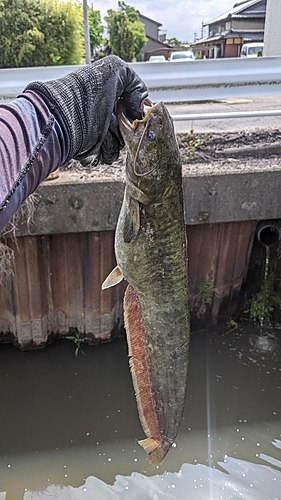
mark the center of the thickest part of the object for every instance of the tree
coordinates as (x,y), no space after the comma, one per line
(126,32)
(40,33)
(62,25)
(174,42)
(95,28)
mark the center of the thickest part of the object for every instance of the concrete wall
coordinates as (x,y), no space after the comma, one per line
(72,204)
(247,24)
(272,33)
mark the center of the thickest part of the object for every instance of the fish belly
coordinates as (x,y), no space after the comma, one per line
(157,322)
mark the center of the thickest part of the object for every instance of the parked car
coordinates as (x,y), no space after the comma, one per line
(157,59)
(183,55)
(252,49)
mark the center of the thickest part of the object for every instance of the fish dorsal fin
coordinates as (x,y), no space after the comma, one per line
(132,220)
(113,278)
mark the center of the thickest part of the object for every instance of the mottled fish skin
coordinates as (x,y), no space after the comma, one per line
(151,253)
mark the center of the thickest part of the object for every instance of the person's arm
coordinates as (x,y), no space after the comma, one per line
(55,121)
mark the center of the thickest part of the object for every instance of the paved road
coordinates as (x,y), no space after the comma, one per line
(226,106)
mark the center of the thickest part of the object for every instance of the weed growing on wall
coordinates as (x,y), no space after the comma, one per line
(24,215)
(207,289)
(6,262)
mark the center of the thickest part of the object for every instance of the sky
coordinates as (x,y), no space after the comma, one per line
(180,19)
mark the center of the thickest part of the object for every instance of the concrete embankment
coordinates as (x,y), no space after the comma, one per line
(64,255)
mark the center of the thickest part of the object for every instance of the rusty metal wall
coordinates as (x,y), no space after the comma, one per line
(56,281)
(218,256)
(56,286)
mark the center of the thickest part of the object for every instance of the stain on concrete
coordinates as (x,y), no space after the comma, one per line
(57,231)
(73,218)
(75,202)
(203,216)
(249,205)
(47,201)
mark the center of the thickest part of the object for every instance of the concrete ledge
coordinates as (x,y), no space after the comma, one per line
(232,196)
(260,150)
(70,204)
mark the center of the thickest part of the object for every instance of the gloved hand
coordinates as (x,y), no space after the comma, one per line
(85,101)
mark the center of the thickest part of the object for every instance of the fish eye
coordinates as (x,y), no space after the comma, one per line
(151,136)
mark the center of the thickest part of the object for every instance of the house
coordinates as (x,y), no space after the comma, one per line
(155,43)
(227,33)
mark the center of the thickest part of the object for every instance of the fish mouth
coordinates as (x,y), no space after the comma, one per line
(136,132)
(133,132)
(128,126)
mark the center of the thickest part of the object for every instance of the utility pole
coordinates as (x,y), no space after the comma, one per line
(272,33)
(86,32)
(202,29)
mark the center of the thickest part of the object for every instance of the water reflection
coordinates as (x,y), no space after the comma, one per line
(72,422)
(239,479)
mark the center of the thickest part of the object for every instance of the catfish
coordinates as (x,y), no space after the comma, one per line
(151,255)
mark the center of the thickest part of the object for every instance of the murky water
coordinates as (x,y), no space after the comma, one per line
(69,425)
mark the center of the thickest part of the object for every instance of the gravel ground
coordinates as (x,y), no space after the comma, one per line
(206,152)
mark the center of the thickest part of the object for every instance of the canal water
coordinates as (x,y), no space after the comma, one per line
(69,425)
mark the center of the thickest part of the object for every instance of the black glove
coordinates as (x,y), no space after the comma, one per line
(85,100)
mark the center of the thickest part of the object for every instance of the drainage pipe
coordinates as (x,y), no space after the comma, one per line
(267,233)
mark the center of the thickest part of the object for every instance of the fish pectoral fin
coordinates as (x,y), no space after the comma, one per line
(155,450)
(132,220)
(113,278)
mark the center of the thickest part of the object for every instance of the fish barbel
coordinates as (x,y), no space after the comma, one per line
(151,254)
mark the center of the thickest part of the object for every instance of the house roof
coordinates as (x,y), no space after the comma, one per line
(253,35)
(238,10)
(246,35)
(249,15)
(161,44)
(141,16)
(208,39)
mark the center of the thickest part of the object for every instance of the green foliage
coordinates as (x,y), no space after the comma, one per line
(193,144)
(207,289)
(232,325)
(264,305)
(40,33)
(126,32)
(78,341)
(261,306)
(95,28)
(174,42)
(131,12)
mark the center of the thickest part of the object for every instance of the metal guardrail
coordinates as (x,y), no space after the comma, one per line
(221,116)
(199,80)
(14,80)
(212,79)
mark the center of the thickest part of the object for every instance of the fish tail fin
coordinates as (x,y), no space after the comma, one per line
(156,451)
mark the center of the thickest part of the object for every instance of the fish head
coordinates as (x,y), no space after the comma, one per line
(153,157)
